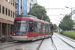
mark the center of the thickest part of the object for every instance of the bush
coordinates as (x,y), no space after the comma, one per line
(61,32)
(69,33)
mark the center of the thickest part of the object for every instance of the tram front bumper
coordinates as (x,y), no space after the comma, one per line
(20,38)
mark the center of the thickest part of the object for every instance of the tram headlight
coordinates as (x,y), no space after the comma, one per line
(14,33)
(23,33)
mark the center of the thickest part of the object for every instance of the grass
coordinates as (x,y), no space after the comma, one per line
(69,33)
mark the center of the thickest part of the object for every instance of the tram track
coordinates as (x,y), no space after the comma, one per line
(23,43)
(65,42)
(53,44)
(14,44)
(40,45)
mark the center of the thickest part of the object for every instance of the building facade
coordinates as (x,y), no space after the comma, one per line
(7,10)
(20,7)
(28,5)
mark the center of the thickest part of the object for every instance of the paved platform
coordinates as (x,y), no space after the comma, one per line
(66,39)
(59,44)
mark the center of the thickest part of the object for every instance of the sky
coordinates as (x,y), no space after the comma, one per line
(56,15)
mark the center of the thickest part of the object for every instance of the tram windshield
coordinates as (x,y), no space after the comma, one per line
(20,25)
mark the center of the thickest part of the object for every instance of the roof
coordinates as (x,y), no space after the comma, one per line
(29,17)
(26,16)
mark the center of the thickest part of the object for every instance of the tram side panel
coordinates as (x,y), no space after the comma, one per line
(37,30)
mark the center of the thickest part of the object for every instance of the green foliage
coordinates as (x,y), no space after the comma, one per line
(39,12)
(66,23)
(69,33)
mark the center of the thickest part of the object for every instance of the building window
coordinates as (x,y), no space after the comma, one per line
(13,2)
(9,1)
(6,11)
(0,8)
(32,0)
(3,9)
(11,13)
(6,0)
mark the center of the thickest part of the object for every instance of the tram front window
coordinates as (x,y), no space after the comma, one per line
(20,26)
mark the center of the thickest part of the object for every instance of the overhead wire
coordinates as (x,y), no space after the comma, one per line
(65,5)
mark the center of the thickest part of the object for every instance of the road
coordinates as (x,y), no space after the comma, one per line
(54,43)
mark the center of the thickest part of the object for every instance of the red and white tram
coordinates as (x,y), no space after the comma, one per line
(27,28)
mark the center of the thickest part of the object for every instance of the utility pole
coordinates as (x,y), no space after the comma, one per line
(74,20)
(71,13)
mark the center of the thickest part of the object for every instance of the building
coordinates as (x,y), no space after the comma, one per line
(7,10)
(28,5)
(20,7)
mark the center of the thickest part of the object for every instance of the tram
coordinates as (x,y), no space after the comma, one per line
(27,27)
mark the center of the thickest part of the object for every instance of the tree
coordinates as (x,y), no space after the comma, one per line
(66,23)
(39,12)
(54,27)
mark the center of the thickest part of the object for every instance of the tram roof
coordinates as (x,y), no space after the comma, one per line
(27,16)
(34,18)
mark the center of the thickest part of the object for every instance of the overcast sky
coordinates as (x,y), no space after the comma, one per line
(54,14)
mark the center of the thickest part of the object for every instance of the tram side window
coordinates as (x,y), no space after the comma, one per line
(30,26)
(46,28)
(35,26)
(39,28)
(51,26)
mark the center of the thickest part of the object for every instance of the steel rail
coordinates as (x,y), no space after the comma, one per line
(40,44)
(53,44)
